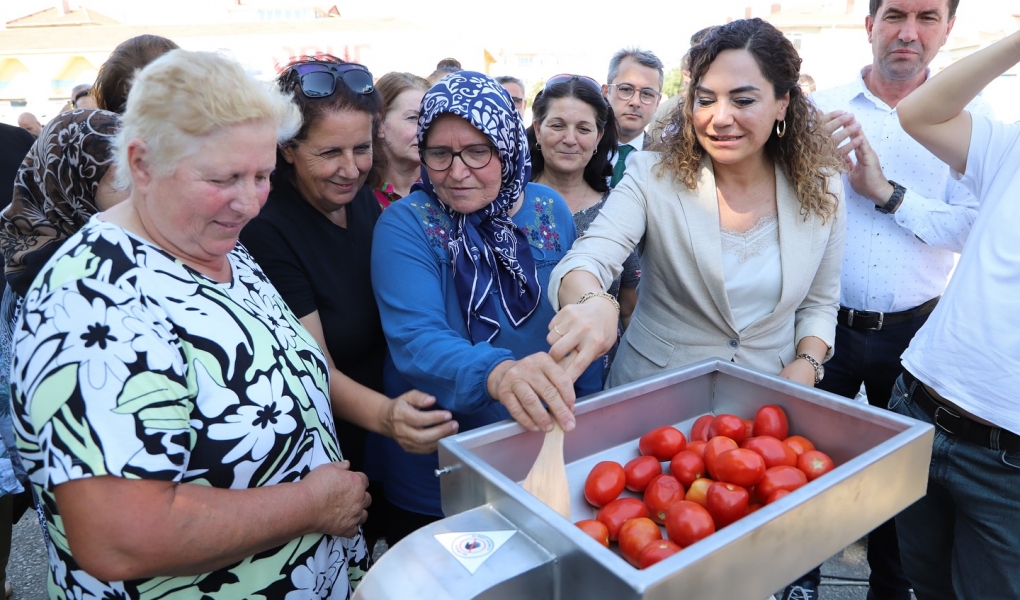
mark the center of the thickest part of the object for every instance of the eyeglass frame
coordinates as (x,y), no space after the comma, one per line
(640,92)
(460,153)
(295,79)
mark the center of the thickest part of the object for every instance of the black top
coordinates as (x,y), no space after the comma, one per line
(319,266)
(14,145)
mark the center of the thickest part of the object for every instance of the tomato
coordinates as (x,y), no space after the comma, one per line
(604,483)
(697,448)
(696,493)
(748,428)
(640,471)
(699,431)
(730,426)
(687,522)
(799,443)
(815,464)
(740,467)
(714,448)
(726,503)
(657,551)
(662,442)
(596,529)
(755,506)
(779,478)
(772,450)
(776,495)
(771,420)
(616,513)
(635,534)
(687,466)
(662,492)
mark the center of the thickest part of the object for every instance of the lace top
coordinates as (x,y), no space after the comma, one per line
(752,270)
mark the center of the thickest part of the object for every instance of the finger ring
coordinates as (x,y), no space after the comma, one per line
(556,328)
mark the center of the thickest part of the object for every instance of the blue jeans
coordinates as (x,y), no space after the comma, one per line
(962,540)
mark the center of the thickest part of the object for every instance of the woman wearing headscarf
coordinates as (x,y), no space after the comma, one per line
(459,269)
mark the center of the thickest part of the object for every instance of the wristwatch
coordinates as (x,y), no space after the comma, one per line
(819,369)
(894,201)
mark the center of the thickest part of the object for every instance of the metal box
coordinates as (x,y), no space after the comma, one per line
(882,467)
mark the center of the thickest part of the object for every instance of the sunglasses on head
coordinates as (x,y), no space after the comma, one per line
(565,77)
(318,79)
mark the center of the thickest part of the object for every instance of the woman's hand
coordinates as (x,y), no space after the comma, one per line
(581,333)
(418,431)
(799,371)
(522,385)
(342,496)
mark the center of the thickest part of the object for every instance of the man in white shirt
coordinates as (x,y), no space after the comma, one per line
(633,89)
(962,370)
(906,219)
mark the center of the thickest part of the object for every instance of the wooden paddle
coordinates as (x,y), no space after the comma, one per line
(547,479)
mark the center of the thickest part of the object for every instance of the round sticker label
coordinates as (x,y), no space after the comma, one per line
(473,545)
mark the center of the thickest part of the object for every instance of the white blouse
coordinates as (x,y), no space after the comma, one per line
(752,270)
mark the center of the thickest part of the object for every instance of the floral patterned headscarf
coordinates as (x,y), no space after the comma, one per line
(486,247)
(55,190)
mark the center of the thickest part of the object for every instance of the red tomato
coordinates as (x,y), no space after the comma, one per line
(696,493)
(687,466)
(596,529)
(726,503)
(635,534)
(755,506)
(714,448)
(771,420)
(604,483)
(698,448)
(740,467)
(799,443)
(687,522)
(815,464)
(776,495)
(662,442)
(772,450)
(657,551)
(730,426)
(779,478)
(699,431)
(662,492)
(748,428)
(640,471)
(616,513)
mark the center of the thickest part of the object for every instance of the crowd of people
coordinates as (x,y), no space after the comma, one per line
(239,318)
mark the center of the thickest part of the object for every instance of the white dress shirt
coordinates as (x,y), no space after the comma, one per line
(637,143)
(897,262)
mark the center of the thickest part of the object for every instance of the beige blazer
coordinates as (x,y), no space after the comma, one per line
(683,314)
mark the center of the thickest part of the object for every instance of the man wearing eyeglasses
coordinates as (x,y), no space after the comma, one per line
(634,89)
(514,87)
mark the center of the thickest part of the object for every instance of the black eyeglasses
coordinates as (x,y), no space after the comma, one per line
(318,79)
(565,77)
(474,156)
(625,91)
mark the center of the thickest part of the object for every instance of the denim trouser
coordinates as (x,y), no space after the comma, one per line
(962,540)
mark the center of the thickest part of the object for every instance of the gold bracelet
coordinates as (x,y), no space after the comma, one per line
(589,295)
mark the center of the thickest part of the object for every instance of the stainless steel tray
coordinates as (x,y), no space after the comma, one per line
(882,467)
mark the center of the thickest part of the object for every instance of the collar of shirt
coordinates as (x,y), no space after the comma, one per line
(637,143)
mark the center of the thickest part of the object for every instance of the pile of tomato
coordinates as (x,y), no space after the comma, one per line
(730,468)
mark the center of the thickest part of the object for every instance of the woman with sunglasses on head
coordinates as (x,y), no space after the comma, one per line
(313,239)
(572,137)
(401,94)
(740,221)
(459,268)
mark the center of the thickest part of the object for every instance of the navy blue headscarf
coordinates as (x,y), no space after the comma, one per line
(486,247)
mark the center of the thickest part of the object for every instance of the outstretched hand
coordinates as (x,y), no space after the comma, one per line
(523,385)
(865,174)
(417,430)
(581,333)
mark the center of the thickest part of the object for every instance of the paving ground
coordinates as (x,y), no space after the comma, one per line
(844,575)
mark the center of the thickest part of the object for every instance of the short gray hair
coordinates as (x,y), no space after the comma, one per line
(502,79)
(645,58)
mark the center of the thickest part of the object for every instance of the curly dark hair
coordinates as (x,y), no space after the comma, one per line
(806,153)
(599,167)
(313,110)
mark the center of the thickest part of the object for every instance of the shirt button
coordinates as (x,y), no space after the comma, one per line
(733,344)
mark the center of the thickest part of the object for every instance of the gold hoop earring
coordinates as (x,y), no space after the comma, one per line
(781,128)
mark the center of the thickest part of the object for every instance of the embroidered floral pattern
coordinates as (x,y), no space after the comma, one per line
(435,223)
(542,232)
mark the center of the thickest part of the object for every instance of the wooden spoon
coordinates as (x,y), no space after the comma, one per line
(547,479)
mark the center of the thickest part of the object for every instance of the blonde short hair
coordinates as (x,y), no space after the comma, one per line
(184,96)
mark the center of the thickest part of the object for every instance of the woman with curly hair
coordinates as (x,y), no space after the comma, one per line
(739,221)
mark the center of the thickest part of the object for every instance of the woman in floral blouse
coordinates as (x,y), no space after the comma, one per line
(459,270)
(172,413)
